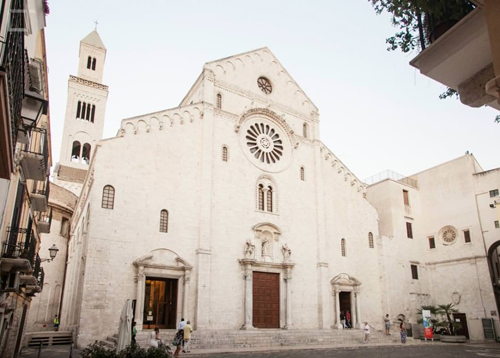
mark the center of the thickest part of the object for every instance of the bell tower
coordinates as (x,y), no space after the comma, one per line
(85,111)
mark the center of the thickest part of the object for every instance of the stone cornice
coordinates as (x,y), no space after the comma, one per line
(87,83)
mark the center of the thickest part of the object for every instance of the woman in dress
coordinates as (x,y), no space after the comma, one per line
(402,326)
(155,337)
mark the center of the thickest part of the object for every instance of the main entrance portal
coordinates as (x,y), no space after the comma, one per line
(266,300)
(160,303)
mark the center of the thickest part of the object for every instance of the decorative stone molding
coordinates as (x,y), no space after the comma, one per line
(448,235)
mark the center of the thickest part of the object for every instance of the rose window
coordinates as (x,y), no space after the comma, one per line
(449,235)
(264,85)
(264,143)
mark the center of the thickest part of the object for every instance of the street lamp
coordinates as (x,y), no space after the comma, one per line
(53,252)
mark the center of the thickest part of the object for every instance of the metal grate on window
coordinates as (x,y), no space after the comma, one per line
(224,154)
(164,221)
(269,198)
(108,197)
(370,240)
(302,174)
(261,197)
(342,247)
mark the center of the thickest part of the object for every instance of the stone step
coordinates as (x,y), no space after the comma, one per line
(48,338)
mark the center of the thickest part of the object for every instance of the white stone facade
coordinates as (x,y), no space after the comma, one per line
(235,182)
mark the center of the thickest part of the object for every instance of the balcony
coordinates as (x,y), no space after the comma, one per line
(462,58)
(18,251)
(33,282)
(35,155)
(44,220)
(40,195)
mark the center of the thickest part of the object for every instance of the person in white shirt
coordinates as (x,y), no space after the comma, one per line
(367,333)
(181,324)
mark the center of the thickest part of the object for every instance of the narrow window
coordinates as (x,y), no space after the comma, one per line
(302,174)
(342,247)
(304,130)
(108,197)
(64,227)
(89,61)
(93,64)
(414,272)
(88,112)
(219,100)
(497,225)
(493,193)
(86,153)
(261,197)
(164,221)
(406,198)
(75,152)
(224,154)
(409,231)
(84,108)
(432,243)
(93,114)
(269,199)
(467,235)
(78,109)
(370,240)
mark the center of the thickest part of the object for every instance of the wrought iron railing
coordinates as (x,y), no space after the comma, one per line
(38,144)
(42,187)
(21,244)
(45,217)
(13,62)
(41,278)
(37,266)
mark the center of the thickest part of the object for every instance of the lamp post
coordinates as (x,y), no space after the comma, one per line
(53,253)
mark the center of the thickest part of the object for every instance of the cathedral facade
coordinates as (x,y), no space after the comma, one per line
(229,211)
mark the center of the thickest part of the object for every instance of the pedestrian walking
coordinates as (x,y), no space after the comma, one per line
(56,323)
(367,333)
(342,319)
(155,338)
(187,337)
(179,337)
(404,332)
(134,333)
(387,322)
(348,319)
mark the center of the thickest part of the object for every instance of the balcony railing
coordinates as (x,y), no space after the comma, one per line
(19,250)
(13,62)
(34,282)
(389,174)
(44,219)
(35,155)
(40,195)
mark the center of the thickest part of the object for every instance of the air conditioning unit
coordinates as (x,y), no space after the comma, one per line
(13,281)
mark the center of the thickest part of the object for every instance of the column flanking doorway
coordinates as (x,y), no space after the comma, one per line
(160,303)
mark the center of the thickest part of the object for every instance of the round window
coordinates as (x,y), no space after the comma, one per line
(448,235)
(264,85)
(265,144)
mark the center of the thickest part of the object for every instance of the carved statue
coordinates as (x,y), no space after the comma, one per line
(265,247)
(286,251)
(249,249)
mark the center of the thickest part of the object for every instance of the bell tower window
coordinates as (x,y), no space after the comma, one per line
(93,64)
(89,62)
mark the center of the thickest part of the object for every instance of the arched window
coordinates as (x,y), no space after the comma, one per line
(88,112)
(84,108)
(108,197)
(261,197)
(302,174)
(75,151)
(224,154)
(269,199)
(93,114)
(219,100)
(86,153)
(370,240)
(93,64)
(164,221)
(78,109)
(89,61)
(342,247)
(304,130)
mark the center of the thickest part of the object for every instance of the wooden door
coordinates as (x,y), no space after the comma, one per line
(160,303)
(460,318)
(266,300)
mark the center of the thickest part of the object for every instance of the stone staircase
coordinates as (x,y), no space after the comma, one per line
(48,338)
(262,338)
(110,342)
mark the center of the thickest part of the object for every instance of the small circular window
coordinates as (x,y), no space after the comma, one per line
(448,235)
(264,85)
(264,143)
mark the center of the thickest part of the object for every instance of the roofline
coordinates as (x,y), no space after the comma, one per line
(449,161)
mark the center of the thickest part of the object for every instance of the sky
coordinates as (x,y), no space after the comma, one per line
(376,111)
